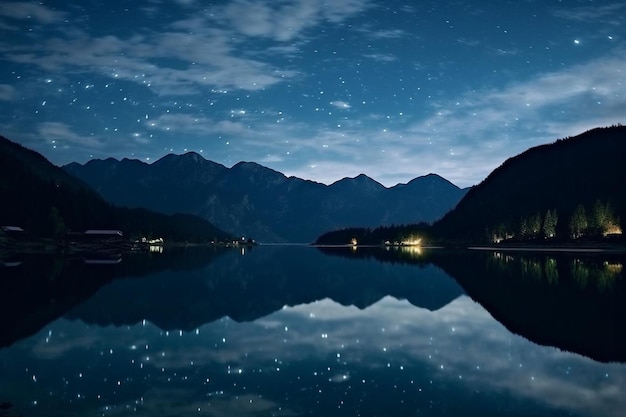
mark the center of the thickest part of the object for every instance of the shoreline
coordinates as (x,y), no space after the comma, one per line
(50,246)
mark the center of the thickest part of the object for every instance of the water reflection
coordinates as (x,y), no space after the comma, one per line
(317,335)
(35,289)
(591,270)
(263,281)
(570,300)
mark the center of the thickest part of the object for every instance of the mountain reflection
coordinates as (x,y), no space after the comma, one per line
(36,289)
(569,300)
(328,331)
(262,281)
(573,301)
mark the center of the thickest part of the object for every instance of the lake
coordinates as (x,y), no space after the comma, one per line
(303,331)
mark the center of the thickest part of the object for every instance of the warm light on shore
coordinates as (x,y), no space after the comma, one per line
(613,230)
(411,242)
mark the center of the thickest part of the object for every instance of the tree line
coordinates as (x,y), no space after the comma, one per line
(597,221)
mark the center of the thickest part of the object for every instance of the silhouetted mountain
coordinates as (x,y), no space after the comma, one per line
(361,183)
(46,201)
(257,201)
(579,180)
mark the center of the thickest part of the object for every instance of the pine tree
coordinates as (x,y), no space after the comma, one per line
(549,224)
(578,223)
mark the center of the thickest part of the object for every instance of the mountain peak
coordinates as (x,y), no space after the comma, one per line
(431,178)
(247,165)
(363,177)
(192,156)
(253,167)
(253,173)
(360,179)
(426,181)
(187,161)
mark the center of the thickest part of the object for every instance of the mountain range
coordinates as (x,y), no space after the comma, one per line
(255,201)
(568,191)
(46,201)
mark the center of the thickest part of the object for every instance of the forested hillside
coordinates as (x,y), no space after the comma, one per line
(571,189)
(46,201)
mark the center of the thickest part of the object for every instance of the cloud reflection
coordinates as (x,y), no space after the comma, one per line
(311,351)
(315,358)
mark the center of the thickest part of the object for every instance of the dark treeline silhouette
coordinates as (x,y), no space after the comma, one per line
(47,202)
(565,192)
(393,234)
(570,189)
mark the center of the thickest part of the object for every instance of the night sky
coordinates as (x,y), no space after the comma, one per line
(319,90)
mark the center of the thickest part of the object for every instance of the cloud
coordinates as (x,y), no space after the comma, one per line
(463,139)
(484,127)
(381,57)
(31,10)
(262,20)
(245,47)
(187,56)
(170,62)
(604,13)
(182,123)
(7,92)
(287,21)
(468,42)
(388,34)
(63,134)
(61,143)
(337,11)
(340,104)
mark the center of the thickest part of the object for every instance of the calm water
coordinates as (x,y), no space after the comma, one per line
(291,331)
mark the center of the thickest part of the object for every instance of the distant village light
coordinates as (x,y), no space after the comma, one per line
(412,241)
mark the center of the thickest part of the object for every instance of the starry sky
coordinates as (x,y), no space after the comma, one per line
(317,89)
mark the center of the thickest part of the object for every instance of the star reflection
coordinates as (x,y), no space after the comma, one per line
(319,357)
